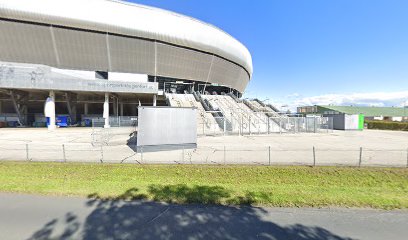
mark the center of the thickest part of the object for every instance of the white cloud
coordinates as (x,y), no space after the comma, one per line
(294,95)
(379,99)
(358,99)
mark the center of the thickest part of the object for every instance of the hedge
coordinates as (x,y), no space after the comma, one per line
(384,125)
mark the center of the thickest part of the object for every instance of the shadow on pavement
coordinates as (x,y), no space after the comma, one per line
(128,216)
(132,141)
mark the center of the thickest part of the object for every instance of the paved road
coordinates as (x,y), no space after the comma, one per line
(40,217)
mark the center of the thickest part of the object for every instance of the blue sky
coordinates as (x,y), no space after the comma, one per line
(315,51)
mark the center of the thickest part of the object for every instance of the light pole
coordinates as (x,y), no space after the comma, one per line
(284,106)
(266,99)
(263,101)
(246,94)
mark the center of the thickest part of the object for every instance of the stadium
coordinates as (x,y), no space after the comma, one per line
(125,121)
(84,56)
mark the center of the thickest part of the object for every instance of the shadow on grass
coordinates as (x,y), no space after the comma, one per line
(183,194)
(130,216)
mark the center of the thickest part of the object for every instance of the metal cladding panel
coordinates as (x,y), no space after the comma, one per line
(86,40)
(183,63)
(361,121)
(130,19)
(242,82)
(166,126)
(345,122)
(131,55)
(339,122)
(81,50)
(351,122)
(225,73)
(26,43)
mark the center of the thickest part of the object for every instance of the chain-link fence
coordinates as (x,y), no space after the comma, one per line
(219,155)
(119,126)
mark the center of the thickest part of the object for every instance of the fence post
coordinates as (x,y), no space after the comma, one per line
(269,155)
(27,156)
(280,125)
(232,124)
(306,124)
(63,153)
(141,154)
(294,125)
(241,127)
(328,122)
(314,124)
(314,156)
(249,125)
(224,125)
(225,155)
(268,126)
(182,155)
(101,154)
(361,155)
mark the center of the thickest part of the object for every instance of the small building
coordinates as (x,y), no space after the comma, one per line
(370,113)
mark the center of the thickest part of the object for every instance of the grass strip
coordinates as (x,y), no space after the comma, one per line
(283,186)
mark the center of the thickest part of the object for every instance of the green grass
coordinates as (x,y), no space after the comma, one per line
(384,188)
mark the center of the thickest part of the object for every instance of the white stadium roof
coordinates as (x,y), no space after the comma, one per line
(129,19)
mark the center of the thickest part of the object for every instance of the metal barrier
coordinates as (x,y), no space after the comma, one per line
(248,126)
(223,126)
(121,121)
(118,126)
(218,155)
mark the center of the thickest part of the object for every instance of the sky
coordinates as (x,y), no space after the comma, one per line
(305,52)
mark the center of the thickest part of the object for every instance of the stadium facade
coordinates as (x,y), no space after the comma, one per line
(104,56)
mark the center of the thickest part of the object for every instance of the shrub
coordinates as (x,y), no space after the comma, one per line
(384,125)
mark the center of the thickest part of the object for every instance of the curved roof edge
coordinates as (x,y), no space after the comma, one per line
(126,18)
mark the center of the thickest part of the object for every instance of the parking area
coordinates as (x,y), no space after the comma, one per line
(366,148)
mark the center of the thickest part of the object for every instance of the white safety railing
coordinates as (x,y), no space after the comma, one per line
(271,125)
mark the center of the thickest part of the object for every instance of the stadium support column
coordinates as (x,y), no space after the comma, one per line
(71,106)
(86,108)
(116,106)
(50,110)
(17,107)
(154,100)
(106,111)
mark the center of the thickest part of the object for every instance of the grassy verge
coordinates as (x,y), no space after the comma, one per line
(257,185)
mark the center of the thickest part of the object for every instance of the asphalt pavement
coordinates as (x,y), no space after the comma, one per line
(45,217)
